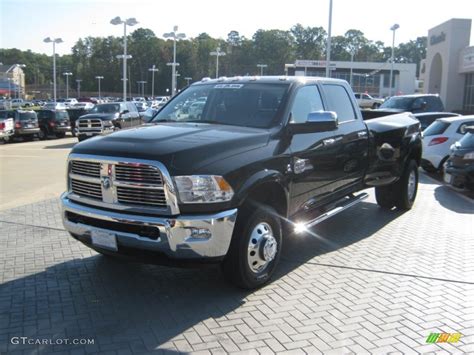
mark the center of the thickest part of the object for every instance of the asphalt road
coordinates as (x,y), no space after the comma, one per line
(33,171)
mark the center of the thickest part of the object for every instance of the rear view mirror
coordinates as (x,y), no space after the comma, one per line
(320,121)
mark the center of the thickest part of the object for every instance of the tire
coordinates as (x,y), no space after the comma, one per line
(255,232)
(375,106)
(60,135)
(73,132)
(441,165)
(81,138)
(429,169)
(401,194)
(43,134)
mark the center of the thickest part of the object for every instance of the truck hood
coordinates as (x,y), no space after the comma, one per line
(100,116)
(182,147)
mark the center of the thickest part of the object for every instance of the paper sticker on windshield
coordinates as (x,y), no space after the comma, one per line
(228,86)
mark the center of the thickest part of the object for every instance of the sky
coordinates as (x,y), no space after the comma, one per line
(25,23)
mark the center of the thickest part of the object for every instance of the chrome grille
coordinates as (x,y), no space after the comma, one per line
(138,173)
(86,168)
(90,124)
(86,188)
(141,196)
(121,184)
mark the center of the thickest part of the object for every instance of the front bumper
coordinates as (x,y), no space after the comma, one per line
(460,176)
(178,237)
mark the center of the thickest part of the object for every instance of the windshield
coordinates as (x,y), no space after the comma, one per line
(249,104)
(106,108)
(5,114)
(403,103)
(27,116)
(467,141)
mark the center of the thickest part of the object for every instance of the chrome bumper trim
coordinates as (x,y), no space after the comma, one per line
(175,232)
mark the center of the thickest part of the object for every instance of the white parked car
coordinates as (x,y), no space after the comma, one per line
(70,102)
(84,105)
(438,138)
(54,106)
(7,129)
(367,101)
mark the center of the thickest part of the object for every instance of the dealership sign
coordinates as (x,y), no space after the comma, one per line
(313,63)
(435,39)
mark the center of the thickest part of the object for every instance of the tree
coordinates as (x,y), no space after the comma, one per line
(309,42)
(274,48)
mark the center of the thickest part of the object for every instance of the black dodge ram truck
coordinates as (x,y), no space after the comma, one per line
(267,157)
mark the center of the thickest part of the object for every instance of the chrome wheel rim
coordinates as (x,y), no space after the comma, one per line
(411,185)
(262,247)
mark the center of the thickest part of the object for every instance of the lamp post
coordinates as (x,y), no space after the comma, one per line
(78,81)
(353,52)
(153,69)
(218,54)
(67,75)
(128,22)
(328,42)
(392,59)
(175,36)
(261,66)
(188,80)
(53,41)
(142,91)
(99,78)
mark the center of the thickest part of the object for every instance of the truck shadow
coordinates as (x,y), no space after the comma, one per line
(446,198)
(145,307)
(61,146)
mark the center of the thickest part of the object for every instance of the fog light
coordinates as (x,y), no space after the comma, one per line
(200,233)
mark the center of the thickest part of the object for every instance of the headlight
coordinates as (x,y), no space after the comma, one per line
(469,156)
(203,189)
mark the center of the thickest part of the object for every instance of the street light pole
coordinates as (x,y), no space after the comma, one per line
(78,81)
(393,28)
(175,36)
(261,66)
(99,78)
(328,43)
(353,51)
(153,69)
(218,54)
(54,41)
(130,22)
(67,74)
(188,80)
(142,91)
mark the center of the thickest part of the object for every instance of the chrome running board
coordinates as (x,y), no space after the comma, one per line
(354,200)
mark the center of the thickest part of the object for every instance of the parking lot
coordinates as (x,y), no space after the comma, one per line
(368,281)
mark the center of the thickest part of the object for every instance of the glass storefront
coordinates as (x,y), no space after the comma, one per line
(468,102)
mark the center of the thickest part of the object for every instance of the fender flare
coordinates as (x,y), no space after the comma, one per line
(260,178)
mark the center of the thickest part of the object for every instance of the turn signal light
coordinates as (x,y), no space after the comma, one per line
(2,125)
(438,140)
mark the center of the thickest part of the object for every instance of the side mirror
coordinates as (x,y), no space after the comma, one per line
(321,121)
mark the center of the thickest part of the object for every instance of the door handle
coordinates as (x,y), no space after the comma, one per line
(362,134)
(331,141)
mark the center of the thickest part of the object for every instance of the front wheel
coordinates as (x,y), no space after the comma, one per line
(255,248)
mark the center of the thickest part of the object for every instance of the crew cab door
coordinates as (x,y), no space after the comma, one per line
(325,162)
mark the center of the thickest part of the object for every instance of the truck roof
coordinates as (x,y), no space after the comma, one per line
(267,79)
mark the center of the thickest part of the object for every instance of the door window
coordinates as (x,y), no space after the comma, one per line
(307,100)
(339,101)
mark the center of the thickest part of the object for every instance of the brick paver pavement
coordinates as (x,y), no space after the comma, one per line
(366,281)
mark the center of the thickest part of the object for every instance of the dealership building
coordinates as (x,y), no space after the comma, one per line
(369,77)
(448,69)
